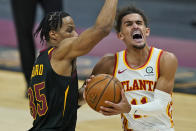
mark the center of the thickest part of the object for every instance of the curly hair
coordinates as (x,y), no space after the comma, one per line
(125,11)
(52,21)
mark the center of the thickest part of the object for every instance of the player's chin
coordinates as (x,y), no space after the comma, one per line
(139,45)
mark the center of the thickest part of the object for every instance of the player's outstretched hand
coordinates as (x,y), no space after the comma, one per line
(114,109)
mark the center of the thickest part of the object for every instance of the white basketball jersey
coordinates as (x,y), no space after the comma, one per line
(139,85)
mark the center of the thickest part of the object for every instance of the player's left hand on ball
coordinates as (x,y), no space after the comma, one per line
(85,85)
(114,109)
(88,79)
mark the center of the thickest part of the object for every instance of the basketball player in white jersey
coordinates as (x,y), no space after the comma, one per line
(147,74)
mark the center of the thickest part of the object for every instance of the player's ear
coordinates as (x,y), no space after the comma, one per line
(147,31)
(120,35)
(53,34)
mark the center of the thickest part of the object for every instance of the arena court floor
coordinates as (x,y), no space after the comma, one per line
(15,115)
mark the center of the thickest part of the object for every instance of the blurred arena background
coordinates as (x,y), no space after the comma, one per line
(171,29)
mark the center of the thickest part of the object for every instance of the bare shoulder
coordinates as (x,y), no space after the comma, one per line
(168,58)
(108,59)
(105,65)
(63,48)
(168,63)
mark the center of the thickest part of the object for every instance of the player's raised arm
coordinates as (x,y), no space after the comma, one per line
(80,45)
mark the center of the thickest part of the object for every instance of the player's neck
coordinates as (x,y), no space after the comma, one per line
(137,57)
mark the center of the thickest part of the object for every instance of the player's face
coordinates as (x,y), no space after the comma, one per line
(133,31)
(67,30)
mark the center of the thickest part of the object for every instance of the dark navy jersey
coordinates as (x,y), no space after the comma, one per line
(53,98)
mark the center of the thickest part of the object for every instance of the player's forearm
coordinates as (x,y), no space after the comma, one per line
(106,17)
(92,36)
(154,108)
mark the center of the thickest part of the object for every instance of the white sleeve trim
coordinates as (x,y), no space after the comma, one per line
(155,107)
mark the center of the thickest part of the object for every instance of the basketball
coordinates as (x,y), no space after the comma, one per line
(102,87)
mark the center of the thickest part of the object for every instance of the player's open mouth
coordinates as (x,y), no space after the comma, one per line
(137,36)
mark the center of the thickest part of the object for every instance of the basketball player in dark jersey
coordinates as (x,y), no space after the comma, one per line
(53,94)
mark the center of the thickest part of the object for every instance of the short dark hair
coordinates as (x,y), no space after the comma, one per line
(52,21)
(125,11)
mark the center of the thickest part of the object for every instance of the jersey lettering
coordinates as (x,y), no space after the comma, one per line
(37,70)
(32,103)
(146,85)
(135,102)
(40,107)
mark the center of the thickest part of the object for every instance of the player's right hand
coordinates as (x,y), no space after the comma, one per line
(114,109)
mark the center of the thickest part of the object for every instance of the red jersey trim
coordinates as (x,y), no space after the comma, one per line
(141,67)
(158,64)
(116,64)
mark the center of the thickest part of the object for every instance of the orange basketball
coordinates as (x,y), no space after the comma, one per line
(102,87)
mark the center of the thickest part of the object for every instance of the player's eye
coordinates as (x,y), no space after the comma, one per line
(128,23)
(139,22)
